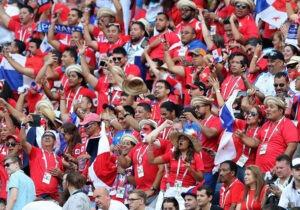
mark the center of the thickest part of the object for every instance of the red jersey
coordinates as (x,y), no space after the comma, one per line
(230,84)
(184,174)
(106,47)
(248,27)
(274,139)
(230,194)
(194,23)
(40,162)
(250,203)
(132,69)
(144,172)
(23,33)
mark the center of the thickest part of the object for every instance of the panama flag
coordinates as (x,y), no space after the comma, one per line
(13,77)
(226,149)
(271,11)
(103,170)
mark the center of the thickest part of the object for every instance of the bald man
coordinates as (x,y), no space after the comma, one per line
(104,201)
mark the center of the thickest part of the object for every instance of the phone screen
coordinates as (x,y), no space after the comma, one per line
(36,120)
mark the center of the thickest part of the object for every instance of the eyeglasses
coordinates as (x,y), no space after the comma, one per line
(133,199)
(89,125)
(199,106)
(185,10)
(117,58)
(13,144)
(185,32)
(239,5)
(252,114)
(280,85)
(6,165)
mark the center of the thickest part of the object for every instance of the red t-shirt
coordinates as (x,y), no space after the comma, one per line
(38,168)
(140,152)
(3,178)
(251,203)
(247,27)
(106,47)
(194,23)
(212,143)
(22,33)
(132,69)
(230,194)
(276,136)
(262,63)
(187,180)
(158,51)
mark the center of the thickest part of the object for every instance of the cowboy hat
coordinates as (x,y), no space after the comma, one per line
(174,136)
(134,86)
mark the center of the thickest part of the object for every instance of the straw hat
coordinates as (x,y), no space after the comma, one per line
(134,86)
(49,113)
(187,3)
(275,100)
(294,59)
(129,137)
(148,122)
(189,134)
(74,68)
(44,103)
(105,11)
(248,2)
(202,100)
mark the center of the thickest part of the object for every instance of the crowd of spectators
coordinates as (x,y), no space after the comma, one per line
(154,104)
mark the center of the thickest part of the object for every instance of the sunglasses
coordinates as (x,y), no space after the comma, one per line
(252,114)
(117,58)
(89,125)
(6,165)
(13,144)
(280,85)
(48,135)
(185,10)
(239,5)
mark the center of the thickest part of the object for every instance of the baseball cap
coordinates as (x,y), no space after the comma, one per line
(91,117)
(195,85)
(274,54)
(191,191)
(296,163)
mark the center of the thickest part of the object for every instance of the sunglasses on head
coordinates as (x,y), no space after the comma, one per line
(117,58)
(252,114)
(89,125)
(239,5)
(13,144)
(280,85)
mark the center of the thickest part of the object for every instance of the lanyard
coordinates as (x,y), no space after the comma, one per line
(45,160)
(247,202)
(73,97)
(140,157)
(224,197)
(226,86)
(165,133)
(207,120)
(178,167)
(272,131)
(22,34)
(244,147)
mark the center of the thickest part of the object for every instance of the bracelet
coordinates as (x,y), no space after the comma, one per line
(23,125)
(111,120)
(218,91)
(255,56)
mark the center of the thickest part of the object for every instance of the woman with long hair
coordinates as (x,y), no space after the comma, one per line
(253,197)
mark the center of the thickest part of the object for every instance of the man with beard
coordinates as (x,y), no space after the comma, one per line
(211,128)
(188,11)
(204,197)
(138,41)
(231,186)
(147,176)
(275,65)
(156,43)
(75,37)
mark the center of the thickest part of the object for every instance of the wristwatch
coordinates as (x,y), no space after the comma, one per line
(153,189)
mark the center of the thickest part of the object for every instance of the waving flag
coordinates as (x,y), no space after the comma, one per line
(103,171)
(271,11)
(226,149)
(13,77)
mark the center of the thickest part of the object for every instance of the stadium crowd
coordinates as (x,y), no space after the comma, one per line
(154,104)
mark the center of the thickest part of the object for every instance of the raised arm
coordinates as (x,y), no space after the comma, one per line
(235,31)
(54,43)
(119,10)
(88,38)
(179,70)
(25,145)
(4,17)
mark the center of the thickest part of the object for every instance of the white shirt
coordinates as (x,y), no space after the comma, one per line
(289,196)
(42,205)
(116,205)
(265,84)
(7,35)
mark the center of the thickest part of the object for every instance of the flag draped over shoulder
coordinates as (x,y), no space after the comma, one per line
(271,11)
(13,77)
(103,170)
(226,149)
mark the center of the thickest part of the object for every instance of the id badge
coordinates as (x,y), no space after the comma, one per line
(182,51)
(263,149)
(242,160)
(178,184)
(120,192)
(47,178)
(140,170)
(213,30)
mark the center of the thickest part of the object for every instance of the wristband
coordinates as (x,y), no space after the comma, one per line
(255,56)
(153,189)
(111,120)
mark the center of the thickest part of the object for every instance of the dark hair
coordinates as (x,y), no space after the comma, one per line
(284,157)
(37,41)
(146,106)
(29,8)
(20,45)
(6,92)
(72,52)
(167,84)
(245,60)
(158,61)
(164,14)
(169,106)
(141,25)
(218,41)
(191,110)
(170,200)
(120,50)
(294,49)
(232,165)
(140,193)
(71,129)
(76,179)
(3,201)
(79,13)
(208,190)
(253,41)
(129,109)
(282,74)
(226,21)
(189,154)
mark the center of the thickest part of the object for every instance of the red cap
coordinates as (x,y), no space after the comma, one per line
(17,138)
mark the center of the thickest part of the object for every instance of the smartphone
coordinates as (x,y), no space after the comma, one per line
(242,93)
(36,120)
(102,63)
